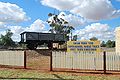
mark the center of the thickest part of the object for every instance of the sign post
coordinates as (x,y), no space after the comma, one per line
(86,46)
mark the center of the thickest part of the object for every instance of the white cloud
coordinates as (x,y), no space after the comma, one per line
(37,26)
(61,4)
(88,9)
(116,14)
(95,9)
(11,13)
(2,32)
(16,30)
(101,31)
(2,25)
(73,20)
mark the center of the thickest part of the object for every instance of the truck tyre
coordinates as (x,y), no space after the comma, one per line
(50,46)
(32,46)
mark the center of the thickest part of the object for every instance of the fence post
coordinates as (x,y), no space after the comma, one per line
(104,61)
(25,59)
(51,61)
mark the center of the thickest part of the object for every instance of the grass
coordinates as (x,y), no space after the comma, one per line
(32,74)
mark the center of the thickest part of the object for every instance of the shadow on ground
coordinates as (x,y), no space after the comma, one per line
(56,76)
(90,72)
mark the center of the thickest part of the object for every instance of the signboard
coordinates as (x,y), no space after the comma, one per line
(83,46)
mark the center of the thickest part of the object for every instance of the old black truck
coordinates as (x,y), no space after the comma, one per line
(33,39)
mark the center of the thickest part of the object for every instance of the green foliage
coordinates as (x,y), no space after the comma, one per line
(6,40)
(113,44)
(93,39)
(75,38)
(103,44)
(108,44)
(59,25)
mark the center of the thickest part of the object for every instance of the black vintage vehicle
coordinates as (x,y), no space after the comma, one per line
(33,39)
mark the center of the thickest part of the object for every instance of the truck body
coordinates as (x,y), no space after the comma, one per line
(33,39)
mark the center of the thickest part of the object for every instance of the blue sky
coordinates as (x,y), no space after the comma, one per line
(33,9)
(96,18)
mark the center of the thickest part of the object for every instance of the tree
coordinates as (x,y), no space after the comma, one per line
(6,39)
(113,44)
(103,44)
(59,25)
(93,39)
(108,44)
(75,38)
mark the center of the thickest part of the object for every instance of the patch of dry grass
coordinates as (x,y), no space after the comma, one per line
(6,73)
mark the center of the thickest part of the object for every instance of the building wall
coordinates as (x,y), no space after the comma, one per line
(117,39)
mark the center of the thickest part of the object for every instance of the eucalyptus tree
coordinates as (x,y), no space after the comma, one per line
(6,40)
(59,25)
(93,38)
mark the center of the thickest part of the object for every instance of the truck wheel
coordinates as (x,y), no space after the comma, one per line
(50,46)
(31,46)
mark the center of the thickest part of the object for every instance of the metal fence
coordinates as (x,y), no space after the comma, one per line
(85,60)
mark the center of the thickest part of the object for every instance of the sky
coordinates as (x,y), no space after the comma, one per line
(90,18)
